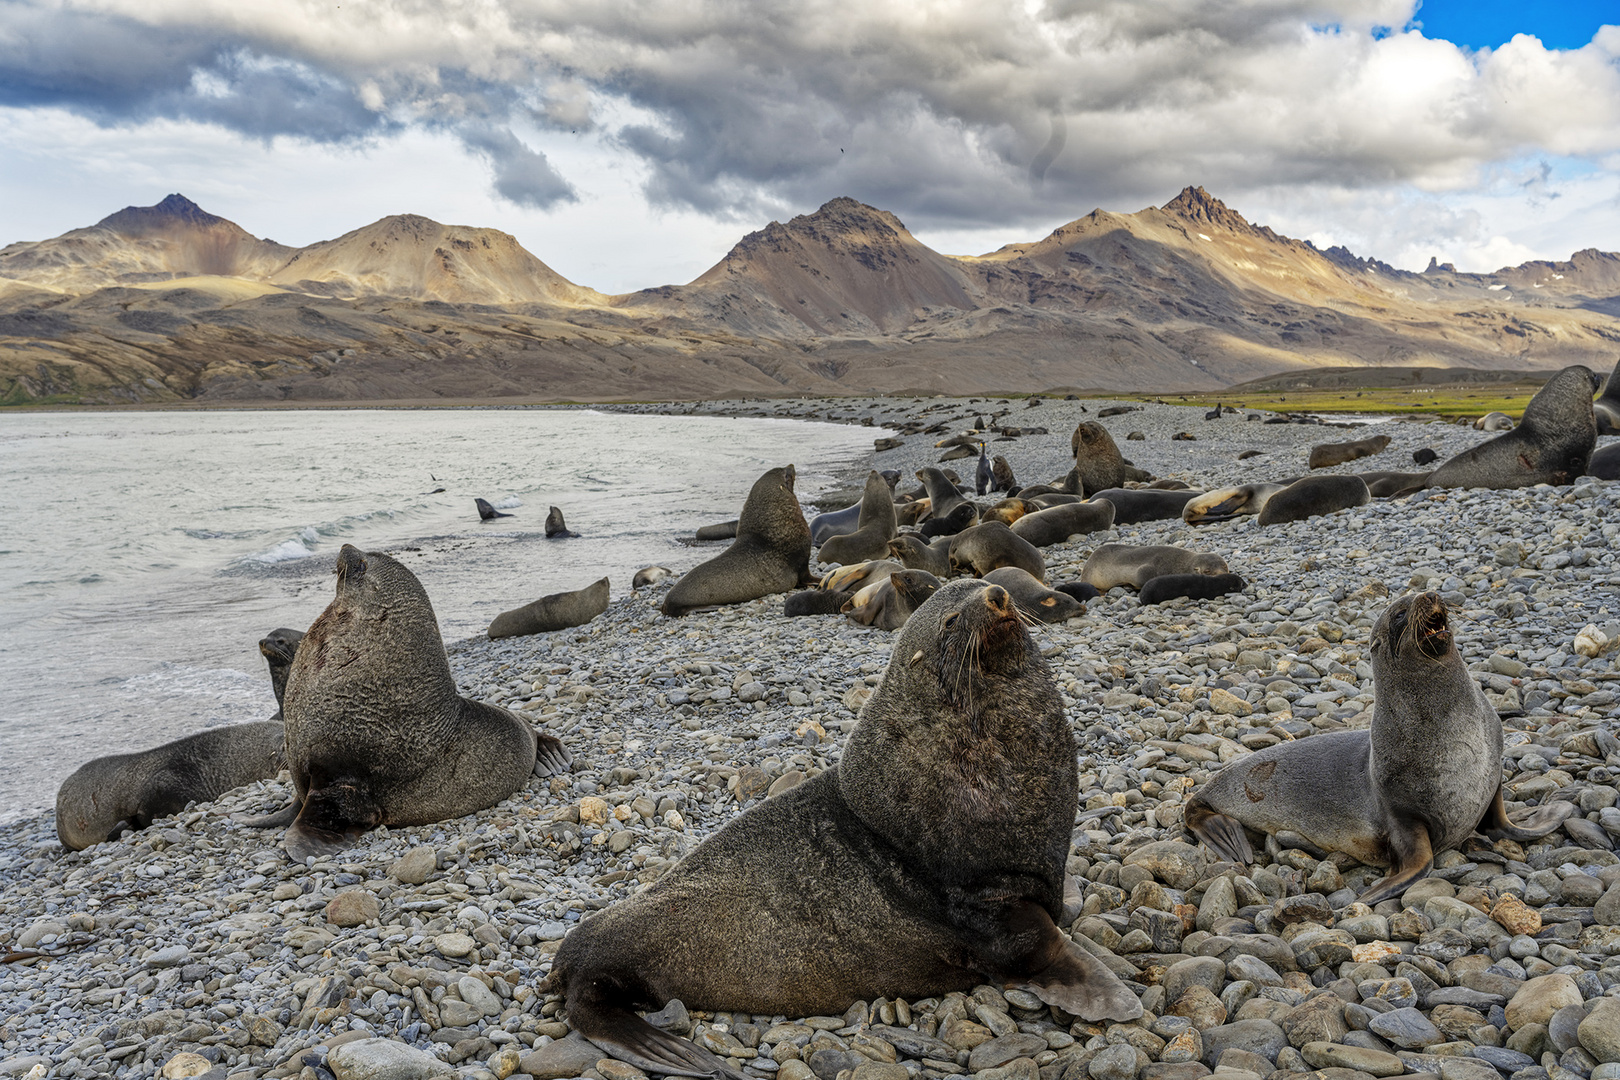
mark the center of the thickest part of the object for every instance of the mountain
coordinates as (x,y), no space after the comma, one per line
(169,302)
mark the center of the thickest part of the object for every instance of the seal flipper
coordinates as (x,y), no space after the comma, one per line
(1079,983)
(1222,834)
(1497,825)
(331,819)
(622,1034)
(276,819)
(1411,858)
(551,757)
(1029,951)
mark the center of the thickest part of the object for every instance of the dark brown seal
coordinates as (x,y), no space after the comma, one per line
(1551,445)
(558,611)
(770,555)
(874,527)
(929,859)
(376,733)
(1097,459)
(1425,775)
(1326,455)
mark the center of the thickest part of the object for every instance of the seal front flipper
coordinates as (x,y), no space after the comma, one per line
(331,820)
(624,1035)
(1544,819)
(276,819)
(1079,983)
(551,757)
(1411,858)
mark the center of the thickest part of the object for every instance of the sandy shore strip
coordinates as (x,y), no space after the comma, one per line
(194,948)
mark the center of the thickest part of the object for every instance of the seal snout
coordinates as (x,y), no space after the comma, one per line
(1431,625)
(351,562)
(999,602)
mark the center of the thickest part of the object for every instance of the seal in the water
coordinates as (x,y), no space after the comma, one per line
(929,859)
(650,575)
(1033,597)
(770,555)
(376,733)
(1330,454)
(1194,586)
(1055,525)
(1551,445)
(105,796)
(1133,505)
(556,528)
(1313,496)
(983,548)
(1606,409)
(874,527)
(1123,564)
(1494,421)
(1096,457)
(1419,780)
(1605,463)
(559,611)
(486,512)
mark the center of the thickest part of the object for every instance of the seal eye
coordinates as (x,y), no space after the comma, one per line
(1397,623)
(950,620)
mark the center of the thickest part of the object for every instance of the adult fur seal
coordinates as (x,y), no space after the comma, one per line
(1330,454)
(1606,409)
(376,733)
(1003,474)
(1313,496)
(1194,586)
(1047,527)
(1384,485)
(929,859)
(1605,463)
(486,512)
(887,604)
(1124,564)
(559,611)
(1033,597)
(916,553)
(556,527)
(1096,457)
(943,494)
(1551,445)
(1419,780)
(874,527)
(983,548)
(102,798)
(1224,503)
(770,555)
(1133,505)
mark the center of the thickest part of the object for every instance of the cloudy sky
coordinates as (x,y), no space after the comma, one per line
(629,143)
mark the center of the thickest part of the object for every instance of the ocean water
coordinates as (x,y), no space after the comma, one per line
(144,554)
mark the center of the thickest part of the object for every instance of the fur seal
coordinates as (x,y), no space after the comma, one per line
(1384,485)
(857,576)
(1133,505)
(1424,455)
(943,494)
(1494,421)
(1606,409)
(891,601)
(103,797)
(1326,455)
(1605,463)
(556,528)
(559,611)
(1003,475)
(1079,590)
(1033,597)
(1223,503)
(650,575)
(1008,511)
(1096,457)
(770,555)
(1194,586)
(486,512)
(874,527)
(1551,445)
(815,602)
(929,859)
(376,733)
(963,515)
(1418,781)
(1313,496)
(986,547)
(724,530)
(1123,564)
(916,553)
(1047,527)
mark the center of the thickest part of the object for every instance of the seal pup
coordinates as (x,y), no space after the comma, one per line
(1326,455)
(1494,421)
(486,512)
(1605,463)
(986,547)
(1009,510)
(963,515)
(376,733)
(1123,564)
(1033,597)
(1419,780)
(1004,480)
(1424,455)
(815,602)
(770,555)
(650,575)
(556,528)
(929,859)
(874,527)
(1055,525)
(1097,457)
(558,611)
(103,797)
(916,553)
(1193,586)
(1133,505)
(1551,445)
(1606,409)
(1313,496)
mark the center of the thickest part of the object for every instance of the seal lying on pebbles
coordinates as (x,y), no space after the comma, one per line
(887,604)
(1123,564)
(929,859)
(770,555)
(1228,502)
(720,530)
(983,548)
(102,798)
(1033,597)
(559,611)
(1551,445)
(1330,454)
(650,575)
(376,733)
(1425,775)
(874,527)
(1055,525)
(815,602)
(1384,485)
(1193,586)
(1313,496)
(1605,463)
(1132,505)
(916,553)
(1494,421)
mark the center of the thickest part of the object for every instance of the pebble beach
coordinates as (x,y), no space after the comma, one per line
(194,948)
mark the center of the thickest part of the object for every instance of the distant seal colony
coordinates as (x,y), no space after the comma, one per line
(930,858)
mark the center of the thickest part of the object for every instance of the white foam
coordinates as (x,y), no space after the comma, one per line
(299,547)
(508,503)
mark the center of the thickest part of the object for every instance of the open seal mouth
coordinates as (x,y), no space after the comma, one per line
(1433,631)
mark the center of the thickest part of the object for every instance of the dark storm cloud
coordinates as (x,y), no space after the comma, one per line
(522,175)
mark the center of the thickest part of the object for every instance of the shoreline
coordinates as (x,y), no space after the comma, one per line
(195,936)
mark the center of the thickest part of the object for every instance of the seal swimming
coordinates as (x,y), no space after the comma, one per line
(770,555)
(486,512)
(929,859)
(376,733)
(1418,781)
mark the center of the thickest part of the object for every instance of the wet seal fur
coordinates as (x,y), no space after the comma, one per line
(559,611)
(1551,445)
(376,733)
(770,555)
(1056,524)
(1313,496)
(1192,586)
(929,859)
(1125,564)
(103,797)
(556,527)
(486,512)
(874,527)
(1425,775)
(1327,455)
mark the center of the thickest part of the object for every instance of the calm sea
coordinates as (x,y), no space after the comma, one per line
(143,555)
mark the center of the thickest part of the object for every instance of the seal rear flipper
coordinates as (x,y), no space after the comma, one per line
(623,1035)
(1222,834)
(276,819)
(1411,859)
(1079,983)
(551,757)
(304,840)
(1544,819)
